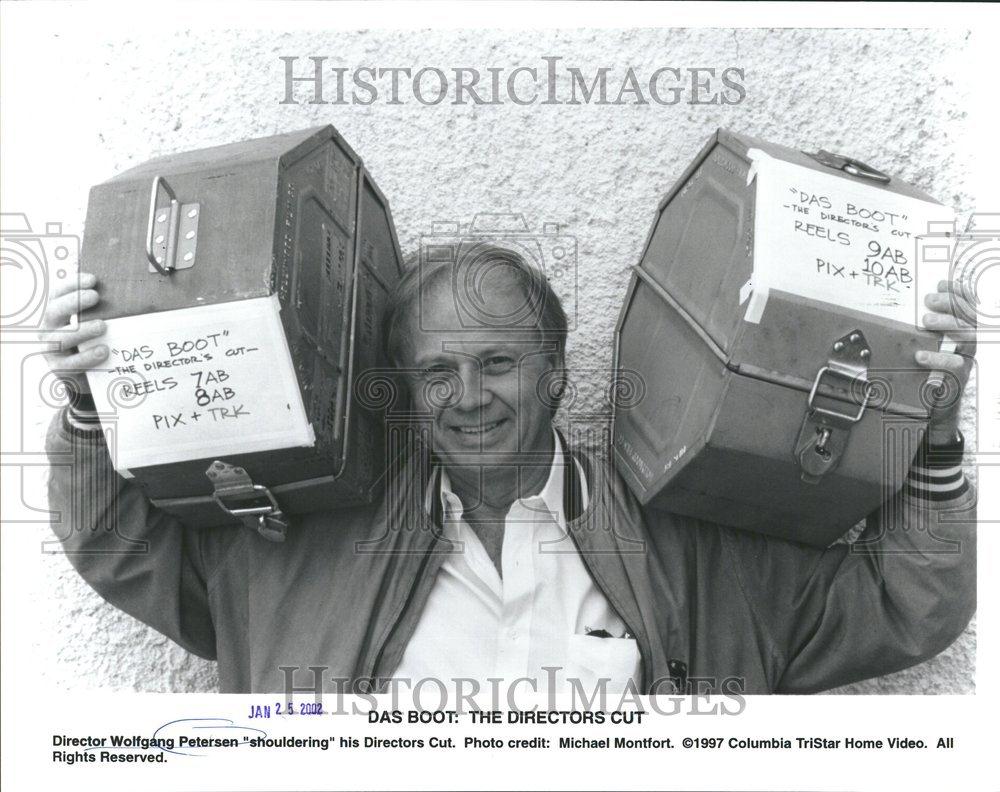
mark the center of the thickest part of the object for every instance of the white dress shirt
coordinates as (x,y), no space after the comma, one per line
(478,625)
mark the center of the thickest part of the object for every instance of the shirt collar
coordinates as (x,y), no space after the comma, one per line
(551,495)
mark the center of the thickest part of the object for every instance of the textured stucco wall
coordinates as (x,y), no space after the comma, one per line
(893,98)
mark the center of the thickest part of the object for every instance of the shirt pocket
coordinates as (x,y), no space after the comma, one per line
(591,659)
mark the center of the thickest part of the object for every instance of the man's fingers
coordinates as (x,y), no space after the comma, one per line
(67,339)
(941,361)
(953,304)
(954,286)
(60,309)
(85,280)
(946,302)
(81,361)
(954,326)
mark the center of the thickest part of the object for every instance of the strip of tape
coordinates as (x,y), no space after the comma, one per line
(756,306)
(753,292)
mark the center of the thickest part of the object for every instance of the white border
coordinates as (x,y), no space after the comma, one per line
(29,713)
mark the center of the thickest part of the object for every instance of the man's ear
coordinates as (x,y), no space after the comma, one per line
(557,374)
(558,364)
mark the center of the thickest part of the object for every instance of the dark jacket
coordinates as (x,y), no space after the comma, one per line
(345,590)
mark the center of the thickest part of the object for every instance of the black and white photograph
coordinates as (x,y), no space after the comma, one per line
(501,384)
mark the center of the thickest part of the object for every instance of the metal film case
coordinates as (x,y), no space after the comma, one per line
(296,215)
(777,427)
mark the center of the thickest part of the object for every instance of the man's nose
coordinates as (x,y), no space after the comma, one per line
(474,395)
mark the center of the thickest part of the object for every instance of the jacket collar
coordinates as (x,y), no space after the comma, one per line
(608,531)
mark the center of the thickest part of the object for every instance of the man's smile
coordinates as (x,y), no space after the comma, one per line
(480,430)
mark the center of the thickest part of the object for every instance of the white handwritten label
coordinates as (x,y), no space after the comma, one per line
(835,240)
(210,381)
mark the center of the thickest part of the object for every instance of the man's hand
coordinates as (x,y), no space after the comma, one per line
(66,361)
(950,315)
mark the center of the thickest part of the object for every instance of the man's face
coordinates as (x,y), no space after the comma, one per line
(480,385)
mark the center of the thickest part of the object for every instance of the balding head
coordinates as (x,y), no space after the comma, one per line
(490,288)
(479,341)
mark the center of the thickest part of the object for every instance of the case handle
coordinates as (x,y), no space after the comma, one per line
(171,231)
(852,166)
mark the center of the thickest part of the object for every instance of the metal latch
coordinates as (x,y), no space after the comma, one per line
(825,432)
(172,231)
(254,504)
(850,165)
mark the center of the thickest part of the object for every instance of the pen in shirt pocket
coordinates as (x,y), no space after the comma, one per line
(602,633)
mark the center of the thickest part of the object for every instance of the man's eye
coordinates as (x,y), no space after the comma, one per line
(498,364)
(436,372)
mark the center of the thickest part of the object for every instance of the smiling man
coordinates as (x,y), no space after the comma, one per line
(515,598)
(501,552)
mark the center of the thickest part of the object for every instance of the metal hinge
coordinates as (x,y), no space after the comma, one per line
(172,231)
(259,509)
(825,432)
